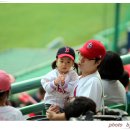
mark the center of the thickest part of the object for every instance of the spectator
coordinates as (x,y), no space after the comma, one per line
(111,70)
(7,112)
(26,99)
(89,83)
(60,82)
(127,68)
(77,107)
(40,95)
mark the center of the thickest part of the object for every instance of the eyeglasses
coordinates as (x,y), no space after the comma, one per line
(90,59)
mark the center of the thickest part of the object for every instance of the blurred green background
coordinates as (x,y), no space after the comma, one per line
(34,25)
(26,30)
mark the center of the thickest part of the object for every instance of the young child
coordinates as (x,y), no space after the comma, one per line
(60,82)
(7,112)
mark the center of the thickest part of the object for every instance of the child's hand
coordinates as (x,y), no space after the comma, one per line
(62,79)
(57,80)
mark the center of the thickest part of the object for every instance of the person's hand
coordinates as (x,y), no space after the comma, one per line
(51,113)
(54,108)
(62,79)
(57,80)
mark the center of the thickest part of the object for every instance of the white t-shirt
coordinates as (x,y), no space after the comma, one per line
(9,113)
(57,96)
(90,86)
(114,92)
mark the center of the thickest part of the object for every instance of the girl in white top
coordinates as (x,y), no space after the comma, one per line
(111,70)
(7,112)
(59,84)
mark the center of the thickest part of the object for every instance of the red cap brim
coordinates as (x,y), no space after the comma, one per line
(67,55)
(83,52)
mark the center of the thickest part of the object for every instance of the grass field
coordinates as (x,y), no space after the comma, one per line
(35,25)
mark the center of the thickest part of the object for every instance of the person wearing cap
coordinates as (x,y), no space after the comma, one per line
(60,82)
(111,71)
(7,112)
(89,83)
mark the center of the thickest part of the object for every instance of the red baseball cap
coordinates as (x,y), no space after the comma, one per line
(93,49)
(5,81)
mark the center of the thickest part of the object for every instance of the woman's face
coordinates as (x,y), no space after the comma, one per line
(64,64)
(87,65)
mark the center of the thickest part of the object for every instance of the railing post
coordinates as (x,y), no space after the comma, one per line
(117,13)
(128,39)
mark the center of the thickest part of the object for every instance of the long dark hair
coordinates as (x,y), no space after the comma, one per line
(79,106)
(111,67)
(125,79)
(53,65)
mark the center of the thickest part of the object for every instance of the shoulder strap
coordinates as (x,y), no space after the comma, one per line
(75,91)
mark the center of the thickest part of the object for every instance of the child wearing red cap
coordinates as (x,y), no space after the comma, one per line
(60,82)
(7,112)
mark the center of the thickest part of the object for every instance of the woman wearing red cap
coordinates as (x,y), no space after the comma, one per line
(7,112)
(60,82)
(89,85)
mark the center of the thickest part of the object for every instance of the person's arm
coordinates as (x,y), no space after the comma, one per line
(47,82)
(51,115)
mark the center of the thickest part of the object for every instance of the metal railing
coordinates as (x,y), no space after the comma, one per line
(35,82)
(39,107)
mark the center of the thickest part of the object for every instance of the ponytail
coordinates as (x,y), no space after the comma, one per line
(76,67)
(53,65)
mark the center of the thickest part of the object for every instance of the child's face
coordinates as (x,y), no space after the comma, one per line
(64,64)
